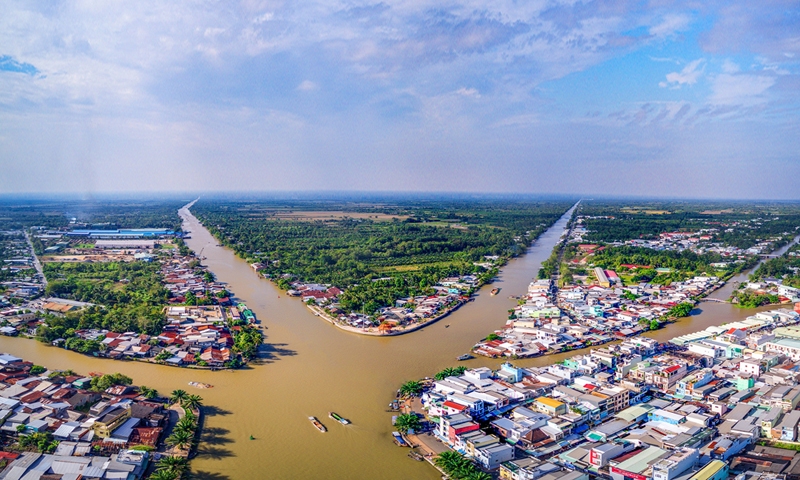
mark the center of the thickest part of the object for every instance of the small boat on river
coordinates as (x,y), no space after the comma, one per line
(399,440)
(317,424)
(466,356)
(494,291)
(339,418)
(200,385)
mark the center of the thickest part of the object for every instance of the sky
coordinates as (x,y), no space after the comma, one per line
(685,99)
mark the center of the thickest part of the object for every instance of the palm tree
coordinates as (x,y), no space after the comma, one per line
(450,372)
(411,388)
(173,464)
(407,422)
(178,396)
(448,460)
(190,416)
(479,475)
(148,392)
(186,424)
(163,475)
(192,402)
(180,439)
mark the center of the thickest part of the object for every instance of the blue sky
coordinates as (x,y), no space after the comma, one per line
(698,99)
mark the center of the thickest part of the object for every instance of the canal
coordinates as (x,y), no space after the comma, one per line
(310,367)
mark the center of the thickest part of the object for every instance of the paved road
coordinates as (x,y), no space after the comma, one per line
(36,262)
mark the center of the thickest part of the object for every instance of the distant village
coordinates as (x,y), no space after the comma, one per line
(598,308)
(705,406)
(193,335)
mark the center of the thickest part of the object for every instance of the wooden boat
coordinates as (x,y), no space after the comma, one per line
(339,418)
(466,356)
(200,385)
(319,426)
(494,291)
(398,439)
(416,456)
(447,326)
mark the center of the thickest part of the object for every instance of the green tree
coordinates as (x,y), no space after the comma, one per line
(172,466)
(411,388)
(163,355)
(163,475)
(178,396)
(42,442)
(37,370)
(450,372)
(147,392)
(186,424)
(192,402)
(407,422)
(180,439)
(104,382)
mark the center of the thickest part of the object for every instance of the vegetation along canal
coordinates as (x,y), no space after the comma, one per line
(310,368)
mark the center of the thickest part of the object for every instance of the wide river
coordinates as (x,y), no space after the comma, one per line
(310,367)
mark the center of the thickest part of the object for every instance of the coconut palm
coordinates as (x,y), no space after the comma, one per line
(411,388)
(450,372)
(178,396)
(190,416)
(185,424)
(163,475)
(448,460)
(173,464)
(180,439)
(479,475)
(148,392)
(407,422)
(192,402)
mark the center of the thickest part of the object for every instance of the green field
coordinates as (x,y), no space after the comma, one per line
(413,242)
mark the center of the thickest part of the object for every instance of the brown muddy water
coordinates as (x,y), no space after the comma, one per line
(310,367)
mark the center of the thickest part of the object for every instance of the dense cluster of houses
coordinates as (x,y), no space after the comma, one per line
(450,293)
(692,409)
(577,316)
(95,431)
(775,286)
(698,241)
(181,278)
(20,280)
(192,335)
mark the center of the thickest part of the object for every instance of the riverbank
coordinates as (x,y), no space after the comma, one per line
(456,292)
(608,396)
(253,401)
(374,331)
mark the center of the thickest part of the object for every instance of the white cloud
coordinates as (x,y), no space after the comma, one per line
(730,67)
(468,92)
(266,17)
(307,86)
(687,76)
(742,89)
(670,24)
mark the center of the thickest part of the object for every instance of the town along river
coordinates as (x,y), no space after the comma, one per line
(310,367)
